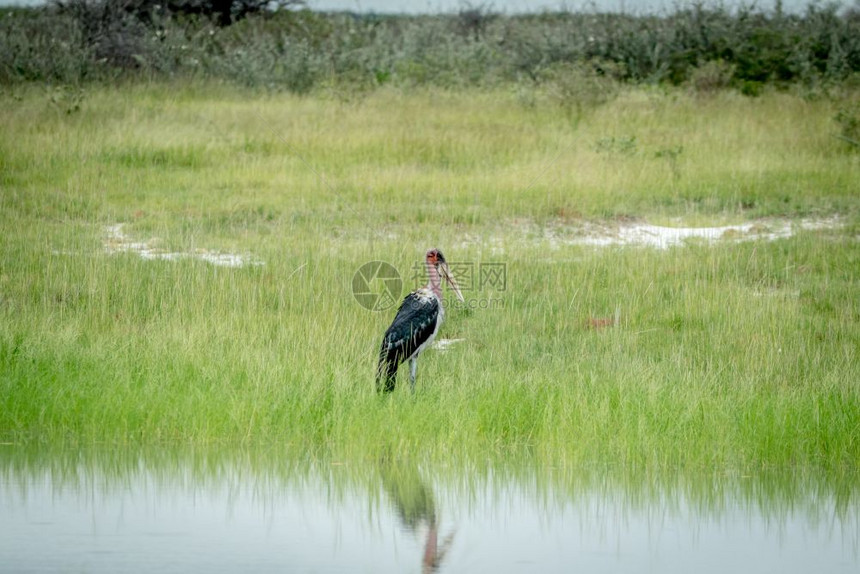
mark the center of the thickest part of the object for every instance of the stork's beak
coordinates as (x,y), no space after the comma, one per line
(446,273)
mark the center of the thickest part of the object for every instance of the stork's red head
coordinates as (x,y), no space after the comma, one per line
(436,259)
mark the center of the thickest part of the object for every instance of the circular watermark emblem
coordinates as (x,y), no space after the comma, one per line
(377,286)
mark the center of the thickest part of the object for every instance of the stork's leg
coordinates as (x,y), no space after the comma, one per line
(413,364)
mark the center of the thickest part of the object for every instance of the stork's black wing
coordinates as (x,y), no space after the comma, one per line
(413,325)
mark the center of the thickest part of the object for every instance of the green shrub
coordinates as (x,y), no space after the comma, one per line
(711,77)
(848,119)
(705,47)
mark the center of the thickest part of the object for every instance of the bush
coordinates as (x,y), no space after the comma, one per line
(109,31)
(571,54)
(711,77)
(43,47)
(577,87)
(848,120)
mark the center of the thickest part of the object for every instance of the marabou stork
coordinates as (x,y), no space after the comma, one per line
(415,325)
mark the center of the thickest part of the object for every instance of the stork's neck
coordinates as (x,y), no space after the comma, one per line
(435,283)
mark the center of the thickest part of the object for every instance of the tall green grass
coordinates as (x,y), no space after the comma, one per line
(735,355)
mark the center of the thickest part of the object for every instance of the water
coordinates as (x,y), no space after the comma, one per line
(192,511)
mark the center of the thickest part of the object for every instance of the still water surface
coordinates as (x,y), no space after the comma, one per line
(192,511)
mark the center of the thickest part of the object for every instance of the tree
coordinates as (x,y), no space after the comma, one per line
(222,12)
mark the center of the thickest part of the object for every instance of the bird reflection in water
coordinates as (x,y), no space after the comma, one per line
(414,503)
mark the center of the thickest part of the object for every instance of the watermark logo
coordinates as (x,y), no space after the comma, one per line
(377,286)
(494,275)
(490,275)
